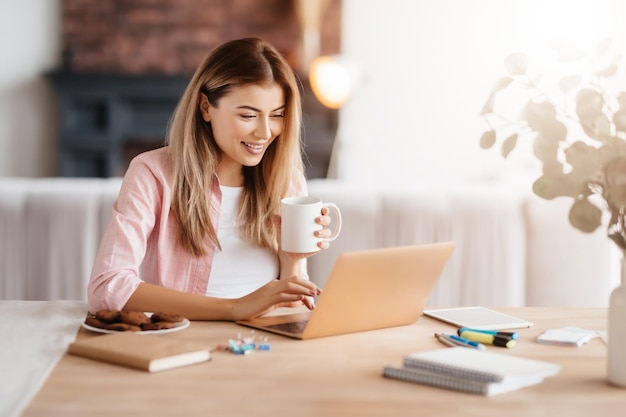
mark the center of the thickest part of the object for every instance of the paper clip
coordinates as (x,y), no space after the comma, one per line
(244,345)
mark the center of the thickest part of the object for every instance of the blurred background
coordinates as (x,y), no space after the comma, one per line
(393,92)
(86,85)
(421,73)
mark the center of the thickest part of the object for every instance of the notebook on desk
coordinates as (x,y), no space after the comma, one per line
(367,290)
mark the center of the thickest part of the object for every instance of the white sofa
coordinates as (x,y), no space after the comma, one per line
(511,247)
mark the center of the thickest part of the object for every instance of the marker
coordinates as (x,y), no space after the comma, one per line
(460,341)
(511,335)
(489,339)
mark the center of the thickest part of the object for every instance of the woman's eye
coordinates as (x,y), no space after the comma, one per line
(248,116)
(278,115)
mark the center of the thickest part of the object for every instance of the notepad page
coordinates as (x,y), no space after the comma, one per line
(418,376)
(484,366)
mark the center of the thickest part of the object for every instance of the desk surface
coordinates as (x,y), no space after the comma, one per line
(334,376)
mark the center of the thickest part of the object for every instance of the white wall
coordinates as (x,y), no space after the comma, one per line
(428,68)
(29,46)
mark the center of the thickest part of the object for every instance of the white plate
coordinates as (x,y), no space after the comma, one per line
(179,326)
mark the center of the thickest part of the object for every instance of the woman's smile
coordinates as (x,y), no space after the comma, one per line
(254,148)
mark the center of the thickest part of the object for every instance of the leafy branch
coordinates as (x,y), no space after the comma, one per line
(582,147)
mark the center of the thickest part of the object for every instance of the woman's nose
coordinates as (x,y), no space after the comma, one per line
(262,129)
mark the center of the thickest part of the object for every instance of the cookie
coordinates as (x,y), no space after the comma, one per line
(136,318)
(158,325)
(135,321)
(122,327)
(92,321)
(108,316)
(169,317)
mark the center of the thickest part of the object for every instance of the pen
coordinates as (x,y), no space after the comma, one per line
(511,335)
(444,340)
(460,341)
(489,339)
(466,342)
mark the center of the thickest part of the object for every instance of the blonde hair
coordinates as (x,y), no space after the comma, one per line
(195,154)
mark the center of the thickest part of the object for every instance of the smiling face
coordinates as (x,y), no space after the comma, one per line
(245,122)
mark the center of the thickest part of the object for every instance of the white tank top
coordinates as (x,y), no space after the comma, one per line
(240,267)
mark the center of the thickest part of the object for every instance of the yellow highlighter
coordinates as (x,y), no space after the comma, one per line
(489,339)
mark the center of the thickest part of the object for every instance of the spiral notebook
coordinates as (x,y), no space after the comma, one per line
(471,370)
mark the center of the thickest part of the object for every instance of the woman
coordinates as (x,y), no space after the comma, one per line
(195,229)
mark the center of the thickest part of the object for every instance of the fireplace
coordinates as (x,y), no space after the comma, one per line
(108,119)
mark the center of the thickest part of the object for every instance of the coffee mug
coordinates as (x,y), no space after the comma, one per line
(298,224)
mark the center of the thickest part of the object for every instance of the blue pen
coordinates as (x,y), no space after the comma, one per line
(460,341)
(510,335)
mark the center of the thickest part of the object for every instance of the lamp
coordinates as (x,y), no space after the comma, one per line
(331,78)
(331,81)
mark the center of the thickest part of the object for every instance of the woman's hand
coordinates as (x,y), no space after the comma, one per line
(290,292)
(290,262)
(325,233)
(292,288)
(323,220)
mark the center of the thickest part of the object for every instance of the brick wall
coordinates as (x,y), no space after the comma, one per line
(173,36)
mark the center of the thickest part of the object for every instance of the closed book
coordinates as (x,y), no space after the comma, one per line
(419,376)
(152,353)
(480,366)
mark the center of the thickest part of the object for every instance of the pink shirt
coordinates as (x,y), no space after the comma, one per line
(141,242)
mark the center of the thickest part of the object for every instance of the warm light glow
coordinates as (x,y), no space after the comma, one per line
(331,81)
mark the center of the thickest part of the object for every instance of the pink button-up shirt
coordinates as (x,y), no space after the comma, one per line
(141,242)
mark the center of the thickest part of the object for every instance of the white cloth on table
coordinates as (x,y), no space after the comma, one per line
(35,336)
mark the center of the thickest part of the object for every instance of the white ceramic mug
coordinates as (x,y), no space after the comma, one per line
(298,224)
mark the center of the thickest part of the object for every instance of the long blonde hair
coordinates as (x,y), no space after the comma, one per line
(195,154)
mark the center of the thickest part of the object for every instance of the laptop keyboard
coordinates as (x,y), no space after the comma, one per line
(290,327)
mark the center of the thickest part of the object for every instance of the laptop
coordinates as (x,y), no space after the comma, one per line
(367,290)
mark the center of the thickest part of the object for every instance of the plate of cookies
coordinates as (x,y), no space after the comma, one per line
(114,321)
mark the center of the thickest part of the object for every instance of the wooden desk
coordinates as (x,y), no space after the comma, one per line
(334,376)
